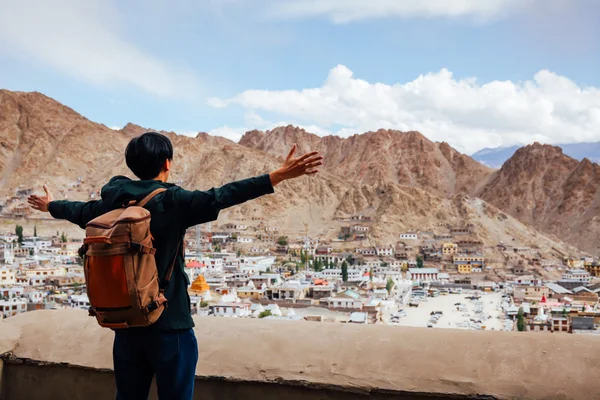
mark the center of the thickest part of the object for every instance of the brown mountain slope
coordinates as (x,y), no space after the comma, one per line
(38,133)
(551,191)
(44,141)
(406,158)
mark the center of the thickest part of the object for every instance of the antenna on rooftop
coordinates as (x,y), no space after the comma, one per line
(198,236)
(306,246)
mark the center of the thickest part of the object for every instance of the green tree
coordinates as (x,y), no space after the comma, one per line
(268,270)
(203,304)
(217,249)
(565,313)
(64,238)
(265,313)
(239,253)
(520,321)
(318,265)
(30,252)
(419,262)
(35,231)
(371,274)
(282,241)
(389,285)
(351,260)
(345,271)
(57,233)
(302,257)
(19,233)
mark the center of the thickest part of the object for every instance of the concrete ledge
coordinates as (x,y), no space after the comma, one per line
(298,360)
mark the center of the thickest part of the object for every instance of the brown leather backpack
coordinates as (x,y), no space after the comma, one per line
(120,270)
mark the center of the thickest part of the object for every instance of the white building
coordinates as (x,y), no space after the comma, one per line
(254,265)
(336,274)
(372,263)
(7,255)
(579,275)
(80,301)
(9,238)
(213,264)
(409,236)
(368,252)
(423,274)
(348,299)
(12,292)
(42,271)
(527,280)
(244,239)
(37,280)
(385,251)
(36,296)
(232,310)
(8,276)
(12,307)
(36,244)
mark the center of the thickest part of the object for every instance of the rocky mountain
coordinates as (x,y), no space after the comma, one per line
(495,157)
(551,191)
(402,180)
(385,156)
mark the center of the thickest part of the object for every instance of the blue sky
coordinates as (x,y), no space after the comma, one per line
(476,74)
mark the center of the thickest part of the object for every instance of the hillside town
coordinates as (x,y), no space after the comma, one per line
(445,278)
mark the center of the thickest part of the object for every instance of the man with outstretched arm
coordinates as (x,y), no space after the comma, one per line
(168,348)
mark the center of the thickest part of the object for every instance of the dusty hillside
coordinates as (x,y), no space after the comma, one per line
(385,156)
(402,180)
(42,138)
(553,192)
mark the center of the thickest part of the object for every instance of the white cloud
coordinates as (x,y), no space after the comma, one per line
(469,115)
(342,11)
(80,38)
(230,133)
(254,121)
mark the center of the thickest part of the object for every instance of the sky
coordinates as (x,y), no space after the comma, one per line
(472,73)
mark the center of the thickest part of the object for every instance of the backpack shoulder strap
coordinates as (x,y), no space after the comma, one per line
(149,197)
(167,278)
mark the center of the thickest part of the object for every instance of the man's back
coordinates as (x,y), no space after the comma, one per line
(172,213)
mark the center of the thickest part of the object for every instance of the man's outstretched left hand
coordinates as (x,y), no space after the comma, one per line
(295,167)
(40,203)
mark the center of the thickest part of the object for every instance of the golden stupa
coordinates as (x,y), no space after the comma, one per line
(199,285)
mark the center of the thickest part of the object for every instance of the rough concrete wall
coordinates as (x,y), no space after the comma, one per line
(34,381)
(364,358)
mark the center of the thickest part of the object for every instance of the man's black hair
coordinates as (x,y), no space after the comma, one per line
(145,155)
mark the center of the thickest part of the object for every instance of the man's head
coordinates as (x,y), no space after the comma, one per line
(149,156)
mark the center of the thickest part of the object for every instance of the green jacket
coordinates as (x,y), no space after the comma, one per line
(172,213)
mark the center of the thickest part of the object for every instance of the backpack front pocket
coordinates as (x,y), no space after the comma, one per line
(107,282)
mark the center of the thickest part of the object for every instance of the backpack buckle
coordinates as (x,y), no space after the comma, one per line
(136,247)
(151,307)
(82,250)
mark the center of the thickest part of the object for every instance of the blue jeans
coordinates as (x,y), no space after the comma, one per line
(139,354)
